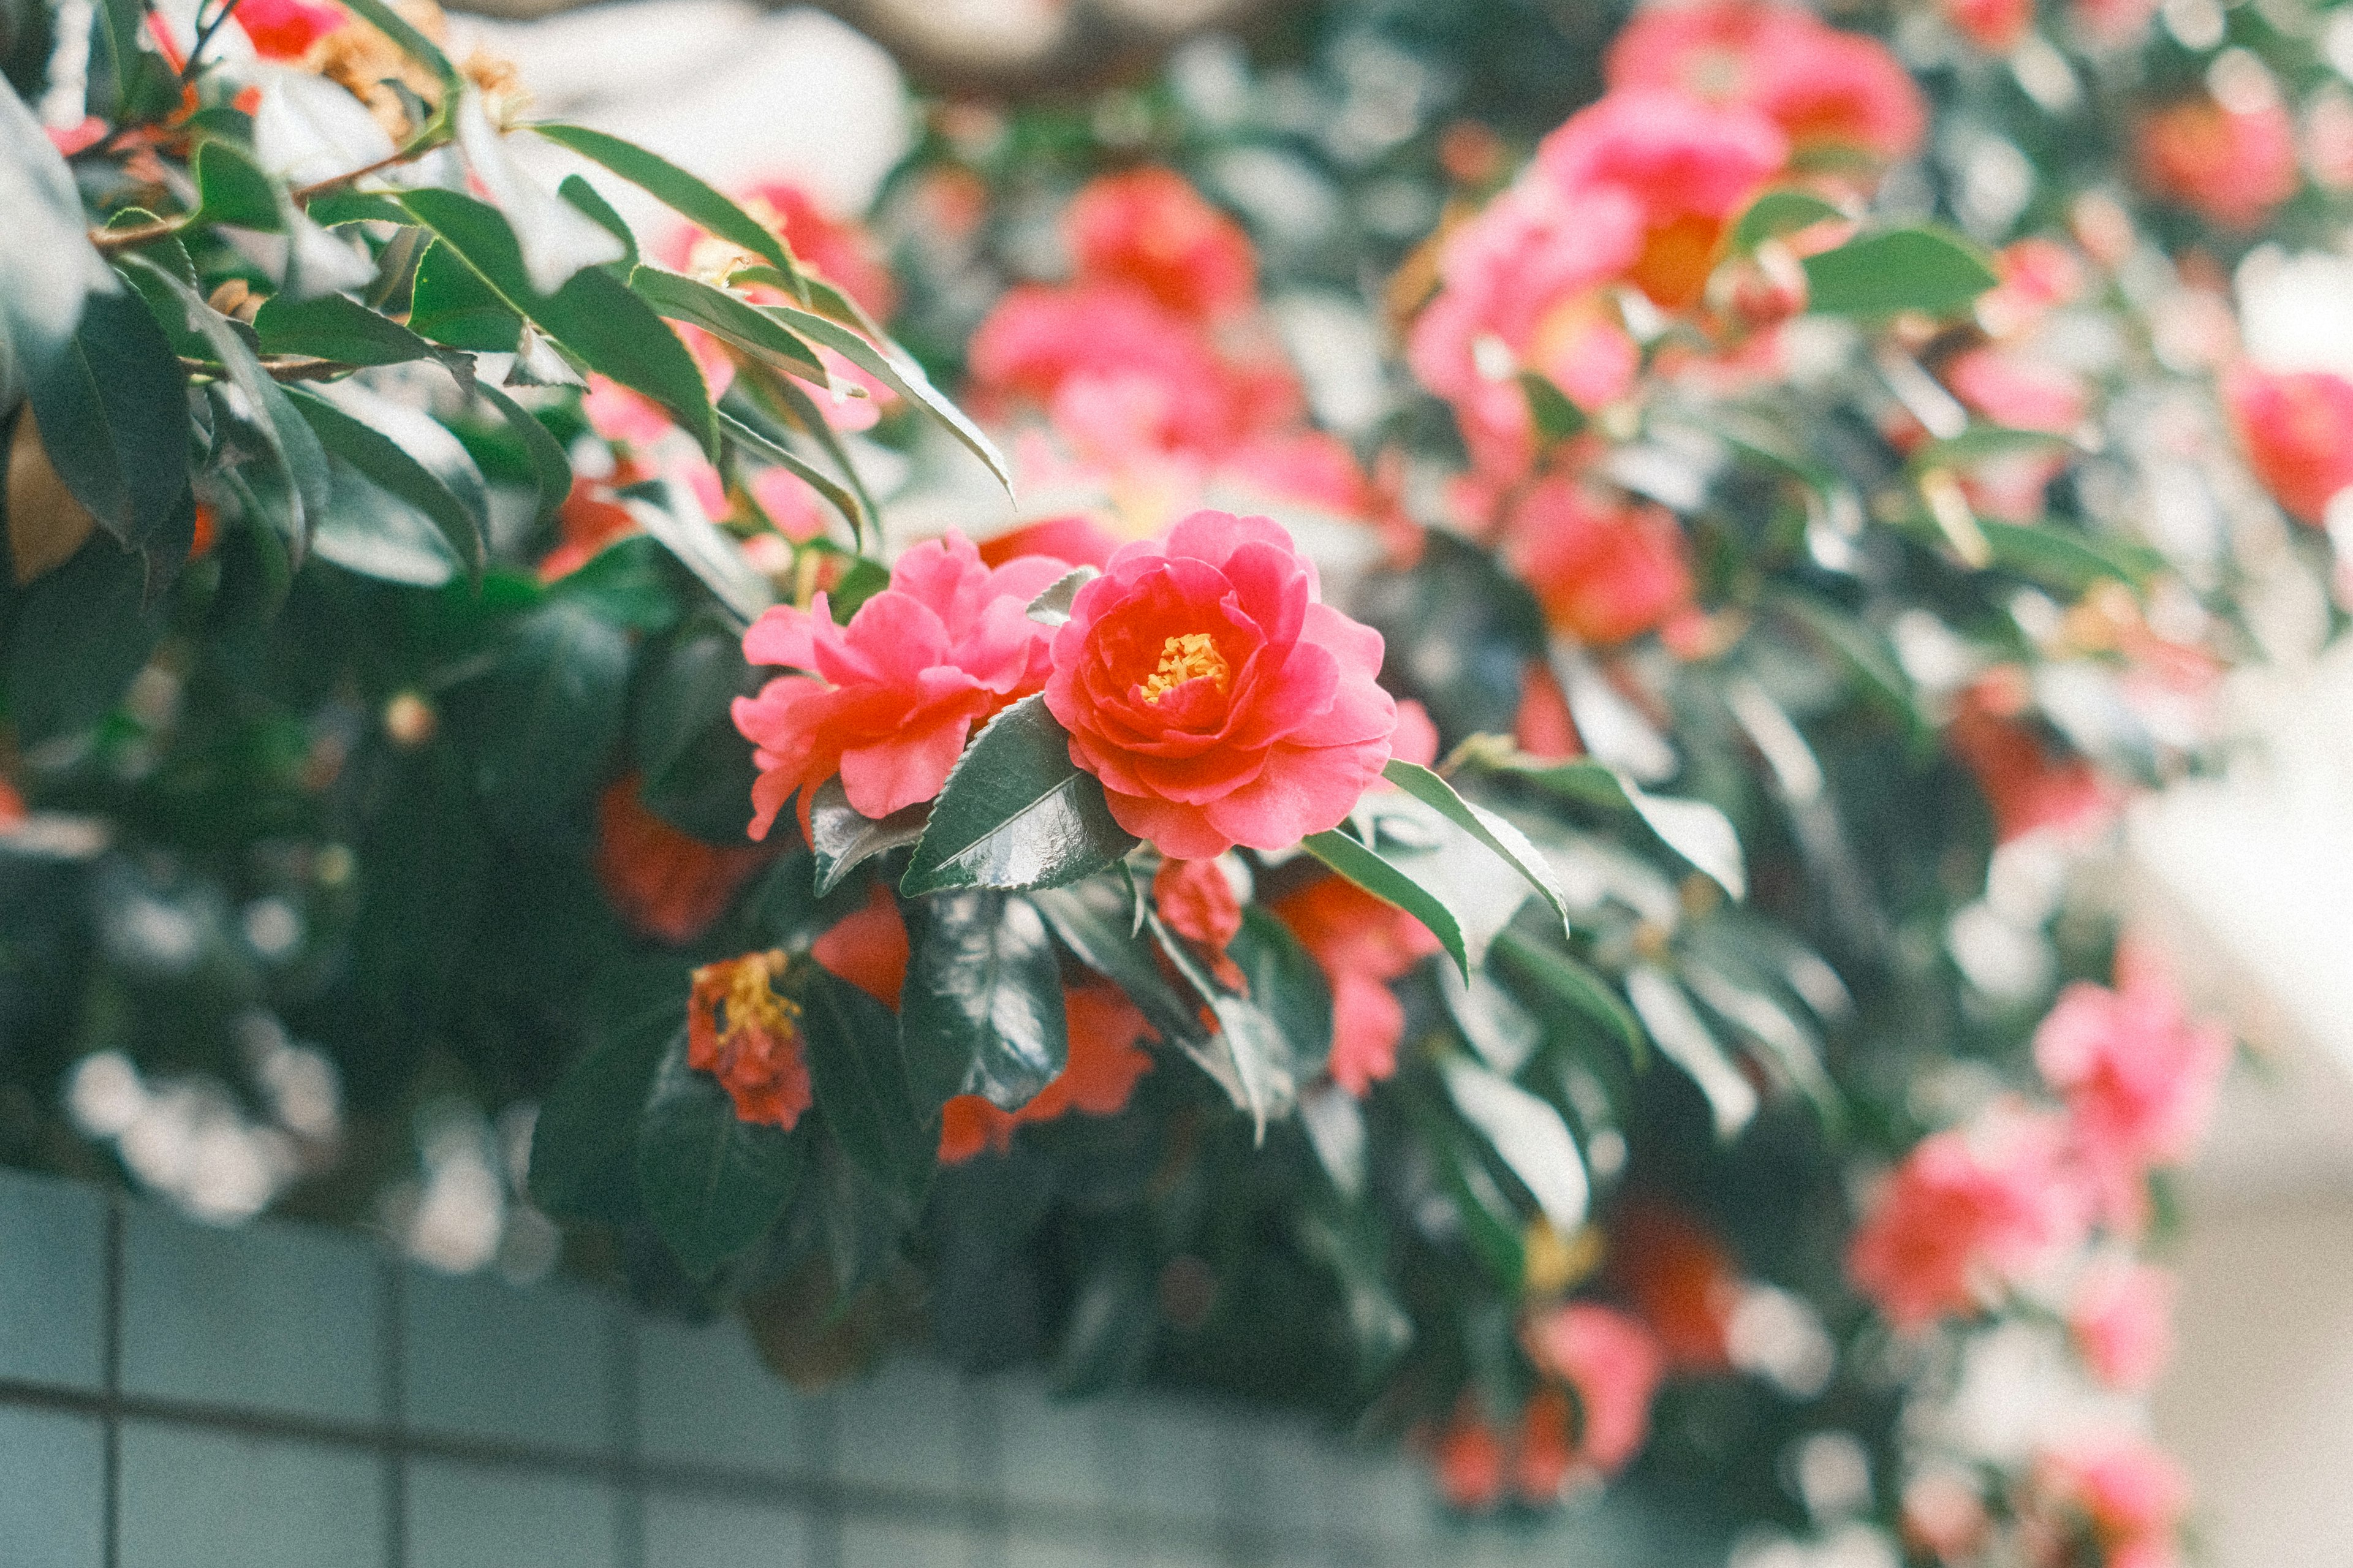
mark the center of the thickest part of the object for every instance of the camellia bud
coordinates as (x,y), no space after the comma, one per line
(411,720)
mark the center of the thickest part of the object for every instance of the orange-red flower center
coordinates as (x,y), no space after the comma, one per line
(1192,656)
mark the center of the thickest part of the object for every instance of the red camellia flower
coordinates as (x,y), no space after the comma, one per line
(1196,901)
(2027,785)
(2297,430)
(666,883)
(285,30)
(891,698)
(1361,944)
(740,1031)
(1680,1280)
(1826,88)
(1215,695)
(2231,166)
(868,947)
(1604,572)
(1613,1367)
(1997,26)
(1106,1058)
(1688,166)
(1151,229)
(1968,1210)
(1468,1457)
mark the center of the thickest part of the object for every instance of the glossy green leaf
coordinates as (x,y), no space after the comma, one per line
(409,454)
(1092,919)
(670,511)
(113,410)
(808,473)
(842,840)
(724,315)
(1898,270)
(547,715)
(339,328)
(1052,607)
(452,304)
(555,238)
(367,530)
(1692,829)
(583,1143)
(1017,813)
(1249,1057)
(1496,833)
(1528,1134)
(1684,1038)
(689,196)
(1557,418)
(232,189)
(551,471)
(631,583)
(79,634)
(1285,982)
(1570,986)
(982,1009)
(1387,882)
(2068,559)
(859,1079)
(593,318)
(712,1183)
(47,265)
(788,402)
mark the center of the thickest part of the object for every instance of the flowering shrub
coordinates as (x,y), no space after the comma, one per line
(1519,899)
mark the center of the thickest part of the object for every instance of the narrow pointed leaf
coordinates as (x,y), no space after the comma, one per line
(1488,829)
(112,411)
(892,365)
(684,193)
(551,471)
(409,454)
(859,1079)
(1382,878)
(1528,1134)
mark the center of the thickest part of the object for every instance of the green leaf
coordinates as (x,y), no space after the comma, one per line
(450,304)
(143,86)
(1052,607)
(1983,443)
(113,410)
(712,1183)
(584,1144)
(548,714)
(1570,986)
(555,238)
(1686,1040)
(339,328)
(1284,980)
(551,471)
(80,633)
(739,322)
(982,1009)
(367,530)
(630,583)
(288,440)
(1017,813)
(1526,1133)
(842,840)
(1899,270)
(1557,418)
(1386,882)
(817,478)
(1863,650)
(761,391)
(47,265)
(697,769)
(1249,1056)
(892,365)
(861,1082)
(1488,829)
(590,200)
(2069,560)
(409,456)
(1694,829)
(685,195)
(1092,919)
(1776,213)
(594,318)
(668,510)
(232,189)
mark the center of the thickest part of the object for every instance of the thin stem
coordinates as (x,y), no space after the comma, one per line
(205,31)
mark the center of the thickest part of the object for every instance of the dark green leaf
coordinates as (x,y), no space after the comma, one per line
(409,456)
(1386,882)
(682,192)
(1248,1056)
(112,411)
(584,1144)
(670,511)
(1287,983)
(817,478)
(48,264)
(1863,651)
(1899,270)
(591,201)
(1694,829)
(367,530)
(549,716)
(1557,418)
(336,327)
(842,840)
(981,1010)
(891,365)
(1017,813)
(593,318)
(738,320)
(1568,983)
(787,401)
(861,1082)
(697,769)
(551,472)
(450,304)
(81,632)
(712,1183)
(630,583)
(1092,921)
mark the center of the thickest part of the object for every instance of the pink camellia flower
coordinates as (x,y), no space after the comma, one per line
(2121,1318)
(2131,1495)
(1215,695)
(1829,90)
(1361,944)
(2017,390)
(1520,295)
(1106,1060)
(1151,229)
(1604,572)
(740,1031)
(1612,1365)
(2297,430)
(2231,166)
(2140,1075)
(2115,24)
(1969,1210)
(888,701)
(1690,167)
(285,30)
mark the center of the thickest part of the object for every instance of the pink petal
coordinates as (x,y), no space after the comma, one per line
(781,636)
(1180,832)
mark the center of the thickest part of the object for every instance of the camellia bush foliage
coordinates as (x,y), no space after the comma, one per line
(1445,795)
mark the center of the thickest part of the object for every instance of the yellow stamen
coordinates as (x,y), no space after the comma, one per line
(1183,658)
(751,1002)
